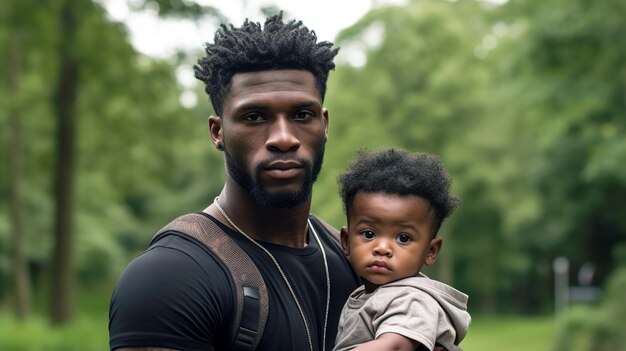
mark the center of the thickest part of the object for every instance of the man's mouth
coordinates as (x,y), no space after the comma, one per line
(284,169)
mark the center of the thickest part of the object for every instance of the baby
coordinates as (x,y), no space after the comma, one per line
(395,203)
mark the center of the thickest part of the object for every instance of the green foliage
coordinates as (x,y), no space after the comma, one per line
(181,9)
(566,90)
(408,93)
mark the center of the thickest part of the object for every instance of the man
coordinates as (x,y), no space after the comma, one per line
(267,86)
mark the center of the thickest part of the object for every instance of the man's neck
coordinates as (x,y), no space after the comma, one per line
(286,226)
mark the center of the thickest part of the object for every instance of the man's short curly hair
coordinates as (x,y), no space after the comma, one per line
(253,48)
(397,172)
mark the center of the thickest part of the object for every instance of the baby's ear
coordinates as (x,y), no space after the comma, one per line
(345,243)
(433,250)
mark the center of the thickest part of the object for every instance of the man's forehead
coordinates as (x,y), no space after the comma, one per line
(273,80)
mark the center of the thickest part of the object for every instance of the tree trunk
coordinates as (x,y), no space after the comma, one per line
(63,275)
(21,281)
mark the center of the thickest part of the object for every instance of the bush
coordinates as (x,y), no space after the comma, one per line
(601,328)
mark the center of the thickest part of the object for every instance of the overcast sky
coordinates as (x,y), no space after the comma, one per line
(158,37)
(161,38)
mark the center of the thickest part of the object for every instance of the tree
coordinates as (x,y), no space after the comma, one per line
(65,99)
(21,280)
(74,58)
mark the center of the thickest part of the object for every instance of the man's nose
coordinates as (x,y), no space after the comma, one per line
(282,135)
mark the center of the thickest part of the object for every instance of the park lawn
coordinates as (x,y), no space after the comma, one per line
(88,331)
(510,334)
(36,334)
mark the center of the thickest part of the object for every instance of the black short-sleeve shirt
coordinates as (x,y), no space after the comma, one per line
(178,295)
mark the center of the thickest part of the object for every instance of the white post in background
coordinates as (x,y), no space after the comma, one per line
(561,284)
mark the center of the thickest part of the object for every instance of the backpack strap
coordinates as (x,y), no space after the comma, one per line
(252,305)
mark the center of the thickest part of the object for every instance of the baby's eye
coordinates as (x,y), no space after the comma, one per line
(368,234)
(403,238)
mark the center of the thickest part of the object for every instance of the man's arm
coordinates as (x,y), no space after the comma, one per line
(389,342)
(395,342)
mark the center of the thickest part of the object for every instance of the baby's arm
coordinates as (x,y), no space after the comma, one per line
(389,342)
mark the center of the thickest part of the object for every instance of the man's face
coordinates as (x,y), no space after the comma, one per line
(274,131)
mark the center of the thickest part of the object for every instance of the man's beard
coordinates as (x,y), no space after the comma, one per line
(237,170)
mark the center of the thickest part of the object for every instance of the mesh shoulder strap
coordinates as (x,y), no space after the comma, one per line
(251,293)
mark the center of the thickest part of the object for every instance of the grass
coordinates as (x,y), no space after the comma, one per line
(510,334)
(88,331)
(36,334)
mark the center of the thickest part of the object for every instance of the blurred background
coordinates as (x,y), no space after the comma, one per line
(104,140)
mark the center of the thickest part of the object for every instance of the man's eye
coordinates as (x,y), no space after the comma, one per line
(254,117)
(368,234)
(303,115)
(403,238)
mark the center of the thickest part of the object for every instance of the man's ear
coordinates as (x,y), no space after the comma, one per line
(433,250)
(345,243)
(325,114)
(215,130)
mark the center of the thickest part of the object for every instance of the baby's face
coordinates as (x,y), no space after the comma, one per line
(389,237)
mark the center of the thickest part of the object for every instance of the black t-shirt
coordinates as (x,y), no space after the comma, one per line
(178,295)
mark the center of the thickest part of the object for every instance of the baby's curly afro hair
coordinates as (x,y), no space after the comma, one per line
(397,172)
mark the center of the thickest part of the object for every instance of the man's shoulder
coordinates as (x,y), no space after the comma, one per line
(173,258)
(177,259)
(171,294)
